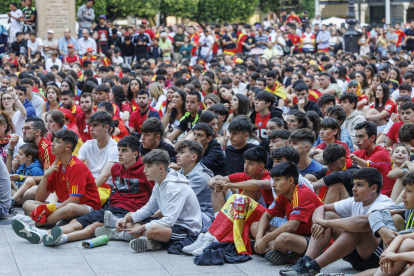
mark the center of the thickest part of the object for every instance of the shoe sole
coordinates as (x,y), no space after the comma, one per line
(143,245)
(24,232)
(277,258)
(107,219)
(54,236)
(110,232)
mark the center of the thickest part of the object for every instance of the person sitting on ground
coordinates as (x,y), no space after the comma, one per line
(144,112)
(132,193)
(330,134)
(74,186)
(302,140)
(283,244)
(5,190)
(189,154)
(120,130)
(407,116)
(334,182)
(213,157)
(272,124)
(254,182)
(304,104)
(349,101)
(177,202)
(326,101)
(26,164)
(355,88)
(346,221)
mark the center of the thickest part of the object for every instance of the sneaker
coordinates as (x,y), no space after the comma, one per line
(110,219)
(306,269)
(207,241)
(102,240)
(293,266)
(54,238)
(26,232)
(113,234)
(198,243)
(332,274)
(278,258)
(142,244)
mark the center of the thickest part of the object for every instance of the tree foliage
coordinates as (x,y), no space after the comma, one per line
(224,10)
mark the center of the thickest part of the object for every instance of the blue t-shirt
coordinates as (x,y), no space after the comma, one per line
(314,166)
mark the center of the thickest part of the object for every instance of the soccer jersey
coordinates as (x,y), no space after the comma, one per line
(75,180)
(46,157)
(390,107)
(323,145)
(300,207)
(261,122)
(240,177)
(295,40)
(71,59)
(379,154)
(393,132)
(387,183)
(137,119)
(84,128)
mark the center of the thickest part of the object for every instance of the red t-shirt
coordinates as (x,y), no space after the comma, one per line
(295,40)
(387,183)
(84,128)
(46,157)
(76,180)
(195,38)
(72,59)
(126,107)
(240,177)
(124,131)
(379,154)
(393,132)
(400,34)
(137,119)
(261,122)
(116,110)
(300,207)
(323,145)
(390,107)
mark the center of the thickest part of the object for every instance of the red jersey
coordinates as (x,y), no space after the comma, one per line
(323,145)
(390,107)
(75,180)
(240,177)
(300,207)
(86,58)
(150,33)
(261,122)
(126,107)
(84,128)
(393,132)
(46,157)
(71,59)
(387,183)
(379,154)
(137,119)
(195,38)
(122,128)
(295,40)
(401,35)
(106,61)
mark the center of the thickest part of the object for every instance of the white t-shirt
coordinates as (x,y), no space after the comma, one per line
(349,208)
(18,122)
(15,24)
(34,46)
(396,93)
(97,158)
(206,40)
(118,60)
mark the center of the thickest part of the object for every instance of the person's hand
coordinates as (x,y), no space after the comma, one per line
(226,134)
(387,261)
(16,162)
(322,222)
(170,106)
(317,231)
(9,14)
(121,225)
(137,230)
(301,103)
(260,246)
(387,235)
(14,177)
(394,117)
(53,168)
(12,92)
(13,141)
(184,52)
(218,187)
(409,165)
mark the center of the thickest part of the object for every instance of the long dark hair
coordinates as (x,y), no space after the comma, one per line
(119,96)
(174,112)
(130,95)
(316,120)
(98,43)
(398,74)
(364,84)
(228,87)
(88,87)
(174,88)
(244,105)
(385,97)
(332,123)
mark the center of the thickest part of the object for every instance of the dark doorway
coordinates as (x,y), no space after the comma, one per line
(376,14)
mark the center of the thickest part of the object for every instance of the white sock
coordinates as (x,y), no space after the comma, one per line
(41,232)
(64,238)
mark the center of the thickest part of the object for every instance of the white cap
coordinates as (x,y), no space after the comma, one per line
(50,32)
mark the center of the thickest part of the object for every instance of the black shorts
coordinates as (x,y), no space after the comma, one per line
(98,215)
(359,264)
(179,233)
(409,47)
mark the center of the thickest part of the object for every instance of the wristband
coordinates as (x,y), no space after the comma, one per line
(21,177)
(405,171)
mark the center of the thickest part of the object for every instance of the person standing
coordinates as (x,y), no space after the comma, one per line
(178,41)
(142,41)
(103,32)
(86,15)
(15,16)
(4,36)
(322,39)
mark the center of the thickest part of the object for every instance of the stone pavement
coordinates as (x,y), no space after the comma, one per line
(19,257)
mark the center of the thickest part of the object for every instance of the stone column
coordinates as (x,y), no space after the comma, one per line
(363,13)
(55,15)
(405,4)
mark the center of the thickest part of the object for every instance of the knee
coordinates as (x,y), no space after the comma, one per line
(28,206)
(70,210)
(30,181)
(284,238)
(253,228)
(153,233)
(407,245)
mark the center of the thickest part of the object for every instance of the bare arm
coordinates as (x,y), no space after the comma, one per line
(105,174)
(173,135)
(381,115)
(354,224)
(251,185)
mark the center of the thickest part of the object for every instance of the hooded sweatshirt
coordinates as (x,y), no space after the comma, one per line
(214,158)
(34,169)
(133,190)
(198,181)
(178,204)
(351,121)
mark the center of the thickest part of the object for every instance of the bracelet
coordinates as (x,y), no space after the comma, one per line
(21,177)
(405,171)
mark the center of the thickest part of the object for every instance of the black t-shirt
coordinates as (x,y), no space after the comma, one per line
(311,106)
(28,12)
(410,32)
(187,121)
(234,158)
(144,39)
(228,38)
(103,33)
(164,146)
(286,49)
(249,41)
(344,177)
(19,47)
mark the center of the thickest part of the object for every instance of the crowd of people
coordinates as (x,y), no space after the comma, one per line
(202,138)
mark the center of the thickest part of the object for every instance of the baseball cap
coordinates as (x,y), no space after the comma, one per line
(391,61)
(89,50)
(353,82)
(71,46)
(102,16)
(143,21)
(305,11)
(50,32)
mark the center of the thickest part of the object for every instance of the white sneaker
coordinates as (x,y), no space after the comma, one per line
(23,230)
(142,244)
(207,241)
(113,234)
(110,219)
(25,219)
(197,244)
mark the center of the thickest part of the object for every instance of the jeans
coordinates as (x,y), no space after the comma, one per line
(383,51)
(399,49)
(210,57)
(128,60)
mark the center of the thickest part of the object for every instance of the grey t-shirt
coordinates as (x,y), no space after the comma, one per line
(5,187)
(392,36)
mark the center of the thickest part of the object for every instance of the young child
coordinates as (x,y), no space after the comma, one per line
(355,88)
(25,164)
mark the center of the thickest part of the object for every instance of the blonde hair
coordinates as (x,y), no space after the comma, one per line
(156,90)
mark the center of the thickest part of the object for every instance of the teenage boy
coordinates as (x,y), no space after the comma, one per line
(222,113)
(349,102)
(326,101)
(278,138)
(365,137)
(21,93)
(239,130)
(295,201)
(302,94)
(263,112)
(132,193)
(213,157)
(273,86)
(346,221)
(190,118)
(101,153)
(67,98)
(189,154)
(407,116)
(302,140)
(81,120)
(152,131)
(144,112)
(35,99)
(254,182)
(334,182)
(74,186)
(177,202)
